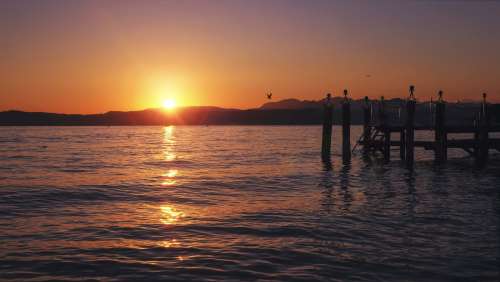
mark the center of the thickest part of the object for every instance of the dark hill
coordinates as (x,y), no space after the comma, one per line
(290,111)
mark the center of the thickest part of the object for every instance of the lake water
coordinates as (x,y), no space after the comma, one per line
(236,203)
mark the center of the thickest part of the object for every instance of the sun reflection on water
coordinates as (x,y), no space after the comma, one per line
(170,177)
(170,215)
(169,153)
(169,156)
(171,173)
(168,182)
(170,243)
(168,130)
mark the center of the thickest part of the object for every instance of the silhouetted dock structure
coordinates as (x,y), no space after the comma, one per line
(382,132)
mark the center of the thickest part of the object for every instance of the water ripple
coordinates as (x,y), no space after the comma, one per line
(236,203)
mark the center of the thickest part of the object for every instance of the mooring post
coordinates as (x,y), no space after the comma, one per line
(476,135)
(346,129)
(386,146)
(410,130)
(326,142)
(381,112)
(367,130)
(482,157)
(402,144)
(402,141)
(440,138)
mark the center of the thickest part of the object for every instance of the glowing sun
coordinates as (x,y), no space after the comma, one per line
(169,104)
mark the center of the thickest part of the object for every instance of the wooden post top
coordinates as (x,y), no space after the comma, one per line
(367,102)
(440,96)
(484,108)
(328,100)
(412,95)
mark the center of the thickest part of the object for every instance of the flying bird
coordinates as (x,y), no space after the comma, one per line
(269,95)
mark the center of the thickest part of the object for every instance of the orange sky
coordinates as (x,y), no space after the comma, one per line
(96,56)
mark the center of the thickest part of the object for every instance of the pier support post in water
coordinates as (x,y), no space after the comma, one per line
(410,129)
(402,140)
(326,142)
(346,129)
(367,130)
(402,144)
(483,138)
(440,138)
(386,146)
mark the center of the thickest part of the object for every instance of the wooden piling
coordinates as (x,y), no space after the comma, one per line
(381,112)
(402,143)
(410,129)
(346,129)
(476,136)
(367,130)
(386,147)
(326,142)
(483,138)
(440,136)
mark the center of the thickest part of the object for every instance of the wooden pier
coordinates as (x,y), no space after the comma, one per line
(378,131)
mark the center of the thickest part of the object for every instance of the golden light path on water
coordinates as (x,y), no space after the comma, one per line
(170,215)
(169,143)
(169,177)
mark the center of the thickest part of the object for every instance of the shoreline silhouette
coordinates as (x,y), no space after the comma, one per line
(284,112)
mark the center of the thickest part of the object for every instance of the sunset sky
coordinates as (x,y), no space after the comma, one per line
(96,56)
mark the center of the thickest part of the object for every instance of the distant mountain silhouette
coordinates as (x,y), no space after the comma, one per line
(289,111)
(291,104)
